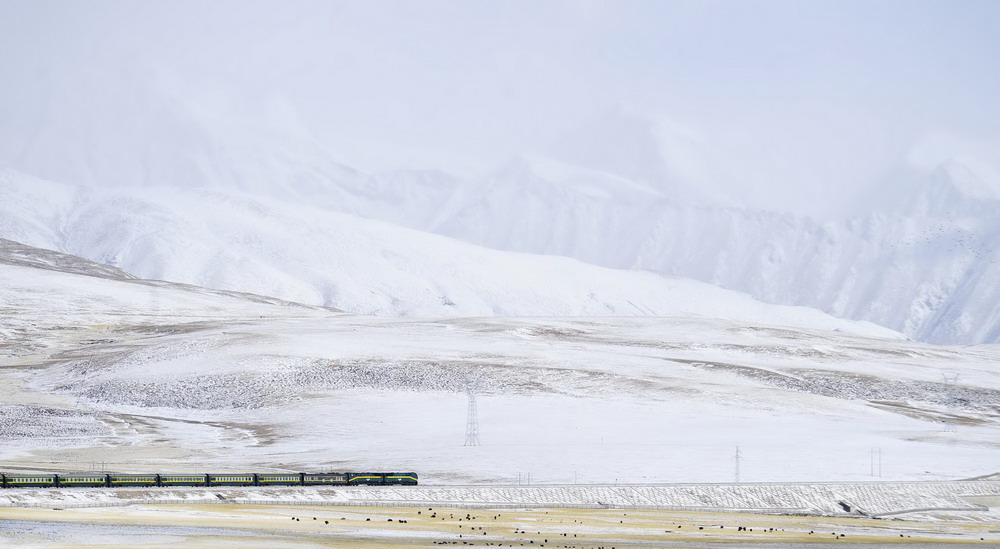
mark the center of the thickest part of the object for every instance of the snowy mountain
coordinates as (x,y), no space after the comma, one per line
(154,130)
(925,268)
(952,190)
(99,367)
(231,241)
(624,192)
(652,152)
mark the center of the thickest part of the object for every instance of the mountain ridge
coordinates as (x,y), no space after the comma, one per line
(237,242)
(925,275)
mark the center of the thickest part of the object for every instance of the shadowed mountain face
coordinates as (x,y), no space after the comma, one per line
(27,259)
(15,253)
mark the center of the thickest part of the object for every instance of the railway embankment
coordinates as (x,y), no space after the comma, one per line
(872,499)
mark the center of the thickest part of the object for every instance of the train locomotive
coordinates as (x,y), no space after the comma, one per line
(209,479)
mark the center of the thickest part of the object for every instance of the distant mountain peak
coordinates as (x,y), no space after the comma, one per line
(959,178)
(533,170)
(648,150)
(951,188)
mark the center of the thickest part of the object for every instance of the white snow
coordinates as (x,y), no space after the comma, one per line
(924,267)
(639,188)
(236,242)
(188,379)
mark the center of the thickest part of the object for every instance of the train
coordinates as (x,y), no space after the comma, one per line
(96,480)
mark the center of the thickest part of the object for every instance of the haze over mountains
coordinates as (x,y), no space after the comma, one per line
(925,267)
(236,242)
(922,263)
(298,134)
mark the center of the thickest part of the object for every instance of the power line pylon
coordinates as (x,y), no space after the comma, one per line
(951,406)
(472,420)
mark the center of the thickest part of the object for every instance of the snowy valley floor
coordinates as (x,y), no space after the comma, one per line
(102,372)
(602,401)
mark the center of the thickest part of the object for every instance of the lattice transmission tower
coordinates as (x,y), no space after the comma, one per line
(951,410)
(472,419)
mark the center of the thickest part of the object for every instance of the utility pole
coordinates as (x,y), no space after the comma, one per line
(737,459)
(875,458)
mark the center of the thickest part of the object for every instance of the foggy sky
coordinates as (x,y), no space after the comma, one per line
(785,104)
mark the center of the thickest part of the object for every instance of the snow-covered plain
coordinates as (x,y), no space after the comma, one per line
(104,371)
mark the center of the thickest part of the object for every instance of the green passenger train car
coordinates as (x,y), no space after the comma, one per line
(184,479)
(324,479)
(245,479)
(28,481)
(280,479)
(133,480)
(81,480)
